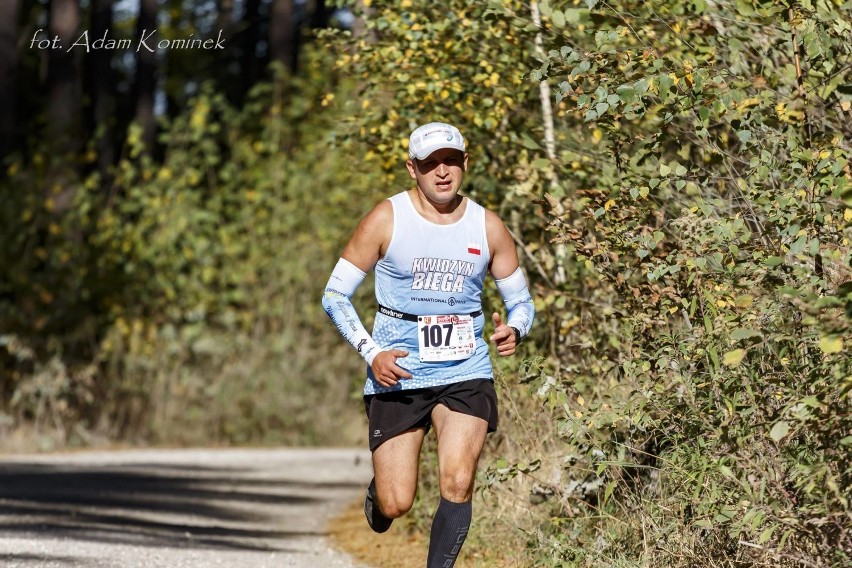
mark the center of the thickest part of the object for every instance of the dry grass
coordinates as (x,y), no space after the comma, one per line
(402,548)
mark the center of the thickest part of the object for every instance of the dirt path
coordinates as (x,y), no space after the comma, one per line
(177,508)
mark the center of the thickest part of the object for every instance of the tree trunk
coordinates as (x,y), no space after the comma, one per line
(63,76)
(100,85)
(282,34)
(225,13)
(248,41)
(8,73)
(146,68)
(320,14)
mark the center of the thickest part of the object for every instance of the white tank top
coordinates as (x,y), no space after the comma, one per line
(431,269)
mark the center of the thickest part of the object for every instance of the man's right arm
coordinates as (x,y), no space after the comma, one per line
(367,245)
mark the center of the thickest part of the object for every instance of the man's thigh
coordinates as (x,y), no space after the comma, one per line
(460,441)
(395,465)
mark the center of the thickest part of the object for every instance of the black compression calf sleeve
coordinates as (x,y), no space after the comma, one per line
(449,529)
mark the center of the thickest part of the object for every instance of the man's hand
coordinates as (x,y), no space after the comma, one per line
(385,369)
(503,337)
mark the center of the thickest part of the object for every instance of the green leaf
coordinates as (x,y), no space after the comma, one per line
(779,430)
(733,358)
(529,143)
(558,19)
(743,333)
(766,534)
(773,261)
(572,15)
(626,94)
(664,170)
(608,491)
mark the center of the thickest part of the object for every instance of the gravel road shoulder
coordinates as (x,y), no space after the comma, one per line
(177,508)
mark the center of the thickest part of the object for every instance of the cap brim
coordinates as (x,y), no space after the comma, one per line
(442,147)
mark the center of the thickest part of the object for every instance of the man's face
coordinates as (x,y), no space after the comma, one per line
(439,175)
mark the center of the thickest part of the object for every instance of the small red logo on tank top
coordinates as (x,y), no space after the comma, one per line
(474,248)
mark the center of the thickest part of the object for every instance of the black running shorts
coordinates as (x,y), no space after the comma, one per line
(392,413)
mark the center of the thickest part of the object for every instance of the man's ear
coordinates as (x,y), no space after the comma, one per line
(412,168)
(465,162)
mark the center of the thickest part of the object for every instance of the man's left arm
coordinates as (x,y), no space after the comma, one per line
(512,285)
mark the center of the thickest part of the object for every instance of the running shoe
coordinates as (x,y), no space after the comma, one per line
(377,521)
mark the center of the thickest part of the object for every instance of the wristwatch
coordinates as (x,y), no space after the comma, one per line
(517,335)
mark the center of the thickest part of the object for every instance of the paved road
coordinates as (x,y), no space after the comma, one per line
(176,508)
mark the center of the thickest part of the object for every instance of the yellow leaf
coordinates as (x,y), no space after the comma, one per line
(831,344)
(580,400)
(847,214)
(733,358)
(609,204)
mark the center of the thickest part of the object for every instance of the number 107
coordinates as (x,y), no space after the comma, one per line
(434,336)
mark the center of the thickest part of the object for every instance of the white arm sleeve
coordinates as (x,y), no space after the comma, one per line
(345,279)
(518,301)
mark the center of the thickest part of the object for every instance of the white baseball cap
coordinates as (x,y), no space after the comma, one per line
(434,136)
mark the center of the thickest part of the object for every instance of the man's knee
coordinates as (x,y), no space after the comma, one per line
(395,504)
(457,485)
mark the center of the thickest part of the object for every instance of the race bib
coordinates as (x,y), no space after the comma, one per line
(445,338)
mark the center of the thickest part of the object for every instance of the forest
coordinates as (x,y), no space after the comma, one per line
(179,178)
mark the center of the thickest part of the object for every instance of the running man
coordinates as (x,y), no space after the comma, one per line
(428,364)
